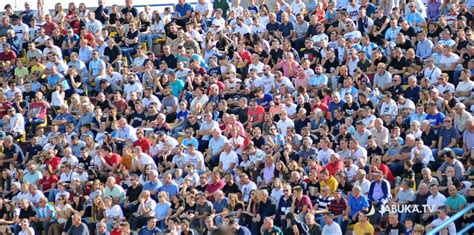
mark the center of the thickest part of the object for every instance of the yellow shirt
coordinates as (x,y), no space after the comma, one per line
(360,229)
(331,183)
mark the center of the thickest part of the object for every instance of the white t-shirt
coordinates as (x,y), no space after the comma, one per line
(290,110)
(297,7)
(436,202)
(146,159)
(195,159)
(324,156)
(114,212)
(57,99)
(94,26)
(258,67)
(283,125)
(201,8)
(425,152)
(219,22)
(353,11)
(446,61)
(246,189)
(32,231)
(352,35)
(267,83)
(227,159)
(463,87)
(258,29)
(35,198)
(449,87)
(115,78)
(128,88)
(72,160)
(333,229)
(243,29)
(18,117)
(68,177)
(20,30)
(451,227)
(432,74)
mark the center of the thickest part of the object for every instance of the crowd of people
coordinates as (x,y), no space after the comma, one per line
(315,117)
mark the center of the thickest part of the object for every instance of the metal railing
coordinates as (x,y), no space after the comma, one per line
(452,219)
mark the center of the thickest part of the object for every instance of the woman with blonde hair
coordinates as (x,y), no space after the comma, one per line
(75,104)
(83,11)
(235,206)
(277,189)
(58,14)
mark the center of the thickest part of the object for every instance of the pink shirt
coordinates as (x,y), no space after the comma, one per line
(302,81)
(289,70)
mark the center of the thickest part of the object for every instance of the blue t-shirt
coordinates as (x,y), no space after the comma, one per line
(182,9)
(435,119)
(357,204)
(265,101)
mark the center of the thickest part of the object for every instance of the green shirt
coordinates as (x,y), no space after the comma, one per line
(275,231)
(455,203)
(223,5)
(21,73)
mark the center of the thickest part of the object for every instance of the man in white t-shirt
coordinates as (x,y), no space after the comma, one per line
(195,158)
(144,159)
(442,217)
(284,122)
(203,7)
(449,60)
(228,159)
(324,154)
(298,6)
(94,26)
(219,21)
(331,227)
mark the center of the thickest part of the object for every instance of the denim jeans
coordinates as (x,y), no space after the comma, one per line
(148,38)
(128,52)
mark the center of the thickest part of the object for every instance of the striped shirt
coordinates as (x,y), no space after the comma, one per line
(336,207)
(323,202)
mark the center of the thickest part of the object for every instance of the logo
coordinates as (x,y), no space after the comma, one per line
(396,208)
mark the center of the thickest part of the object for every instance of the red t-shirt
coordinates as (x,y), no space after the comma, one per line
(333,167)
(48,28)
(305,201)
(246,56)
(48,183)
(214,187)
(11,55)
(53,162)
(113,158)
(144,143)
(386,171)
(258,111)
(39,110)
(4,108)
(121,105)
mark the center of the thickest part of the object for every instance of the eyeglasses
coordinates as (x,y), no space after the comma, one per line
(446,121)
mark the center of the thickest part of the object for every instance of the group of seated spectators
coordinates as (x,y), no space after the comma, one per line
(269,117)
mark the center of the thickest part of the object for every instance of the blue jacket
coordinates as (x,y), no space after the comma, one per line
(385,189)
